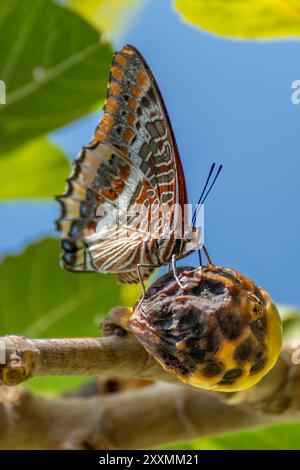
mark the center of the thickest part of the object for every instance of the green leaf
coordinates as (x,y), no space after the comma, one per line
(279,437)
(291,327)
(37,169)
(54,65)
(243,19)
(108,16)
(39,299)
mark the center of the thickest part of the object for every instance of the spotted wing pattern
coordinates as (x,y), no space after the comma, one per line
(132,160)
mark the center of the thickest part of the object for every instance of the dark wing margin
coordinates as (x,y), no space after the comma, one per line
(183,197)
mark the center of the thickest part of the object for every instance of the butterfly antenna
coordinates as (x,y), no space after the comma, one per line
(212,184)
(203,197)
(203,191)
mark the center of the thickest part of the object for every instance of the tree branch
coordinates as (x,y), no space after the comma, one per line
(113,355)
(124,356)
(135,418)
(143,418)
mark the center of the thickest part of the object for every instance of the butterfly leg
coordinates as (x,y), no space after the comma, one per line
(200,258)
(139,266)
(140,276)
(173,260)
(207,256)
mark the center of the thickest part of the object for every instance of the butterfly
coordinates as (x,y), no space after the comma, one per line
(123,210)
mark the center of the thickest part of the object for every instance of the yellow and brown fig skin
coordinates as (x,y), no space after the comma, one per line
(221,332)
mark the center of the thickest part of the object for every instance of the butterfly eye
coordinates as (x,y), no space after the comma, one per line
(189,235)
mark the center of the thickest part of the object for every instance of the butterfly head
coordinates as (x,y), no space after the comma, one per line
(191,241)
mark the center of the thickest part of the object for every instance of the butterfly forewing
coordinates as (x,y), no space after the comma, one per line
(132,161)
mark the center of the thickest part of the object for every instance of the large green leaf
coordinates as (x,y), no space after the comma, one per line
(35,170)
(110,17)
(243,19)
(39,299)
(279,437)
(54,65)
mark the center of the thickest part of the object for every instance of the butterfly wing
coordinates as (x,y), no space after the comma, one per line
(132,159)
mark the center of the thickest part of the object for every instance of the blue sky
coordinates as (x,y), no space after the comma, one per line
(229,102)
